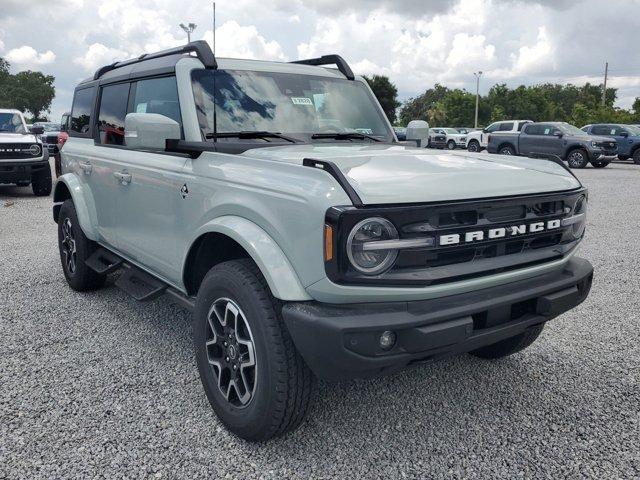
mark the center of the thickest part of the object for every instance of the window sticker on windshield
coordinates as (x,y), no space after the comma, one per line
(141,108)
(301,101)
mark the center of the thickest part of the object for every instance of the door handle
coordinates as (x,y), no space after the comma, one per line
(123,177)
(86,167)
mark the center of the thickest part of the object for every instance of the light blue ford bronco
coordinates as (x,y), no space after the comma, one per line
(274,201)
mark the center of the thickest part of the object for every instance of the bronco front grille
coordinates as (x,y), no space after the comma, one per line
(19,150)
(457,259)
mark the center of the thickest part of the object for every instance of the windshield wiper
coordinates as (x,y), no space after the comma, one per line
(345,136)
(250,134)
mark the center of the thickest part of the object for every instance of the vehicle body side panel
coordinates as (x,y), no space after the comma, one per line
(83,202)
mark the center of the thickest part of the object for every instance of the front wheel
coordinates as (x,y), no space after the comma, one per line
(636,157)
(41,182)
(511,345)
(451,145)
(252,374)
(578,158)
(474,146)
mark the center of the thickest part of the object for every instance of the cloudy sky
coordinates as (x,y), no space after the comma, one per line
(415,42)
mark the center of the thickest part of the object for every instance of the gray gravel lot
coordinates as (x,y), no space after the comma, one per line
(97,385)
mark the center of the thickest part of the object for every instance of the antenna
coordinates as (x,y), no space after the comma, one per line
(214,28)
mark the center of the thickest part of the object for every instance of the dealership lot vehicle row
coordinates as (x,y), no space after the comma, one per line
(100,384)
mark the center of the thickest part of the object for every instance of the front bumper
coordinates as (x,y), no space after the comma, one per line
(602,154)
(341,341)
(21,171)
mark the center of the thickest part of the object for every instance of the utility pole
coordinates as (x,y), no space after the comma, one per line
(477,75)
(604,88)
(188,30)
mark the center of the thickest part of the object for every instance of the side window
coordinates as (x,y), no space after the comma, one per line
(547,130)
(158,95)
(520,125)
(531,129)
(615,130)
(601,130)
(81,111)
(493,127)
(506,126)
(113,110)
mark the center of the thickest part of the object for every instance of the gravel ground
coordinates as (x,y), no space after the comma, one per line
(97,385)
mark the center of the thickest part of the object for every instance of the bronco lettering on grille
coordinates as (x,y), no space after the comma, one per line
(495,233)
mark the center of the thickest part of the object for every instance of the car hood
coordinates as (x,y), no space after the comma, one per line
(389,174)
(6,137)
(590,138)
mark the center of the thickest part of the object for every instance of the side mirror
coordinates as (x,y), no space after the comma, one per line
(558,134)
(624,134)
(149,130)
(37,130)
(418,131)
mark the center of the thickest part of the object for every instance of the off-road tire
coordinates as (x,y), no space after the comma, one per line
(636,157)
(284,384)
(578,158)
(473,146)
(623,157)
(41,182)
(511,345)
(82,278)
(507,150)
(451,145)
(599,164)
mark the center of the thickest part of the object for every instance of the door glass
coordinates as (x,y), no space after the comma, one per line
(158,95)
(506,127)
(113,109)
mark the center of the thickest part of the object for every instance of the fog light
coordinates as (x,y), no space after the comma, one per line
(387,339)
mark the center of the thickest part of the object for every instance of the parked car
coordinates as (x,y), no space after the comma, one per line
(24,160)
(477,140)
(53,138)
(626,136)
(401,133)
(437,138)
(452,138)
(301,250)
(556,138)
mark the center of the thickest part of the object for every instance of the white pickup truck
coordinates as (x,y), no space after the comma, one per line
(477,141)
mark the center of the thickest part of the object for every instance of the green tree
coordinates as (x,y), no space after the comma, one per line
(386,93)
(27,91)
(417,108)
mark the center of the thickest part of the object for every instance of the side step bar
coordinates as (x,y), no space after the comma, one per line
(136,282)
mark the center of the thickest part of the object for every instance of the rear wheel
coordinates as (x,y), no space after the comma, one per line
(511,345)
(254,378)
(451,145)
(474,146)
(41,182)
(599,164)
(578,158)
(75,248)
(507,150)
(636,157)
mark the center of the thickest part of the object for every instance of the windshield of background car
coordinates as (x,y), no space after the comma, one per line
(49,127)
(635,131)
(291,104)
(11,122)
(451,131)
(570,129)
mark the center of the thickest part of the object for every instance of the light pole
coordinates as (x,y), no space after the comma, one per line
(477,75)
(188,30)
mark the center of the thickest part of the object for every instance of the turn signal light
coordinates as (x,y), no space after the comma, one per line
(328,243)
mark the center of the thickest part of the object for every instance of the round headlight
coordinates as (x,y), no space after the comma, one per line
(580,208)
(366,257)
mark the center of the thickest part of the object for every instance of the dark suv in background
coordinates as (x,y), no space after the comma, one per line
(558,139)
(627,137)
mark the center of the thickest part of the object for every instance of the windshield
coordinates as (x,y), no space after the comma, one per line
(11,122)
(633,130)
(294,105)
(451,131)
(570,129)
(48,127)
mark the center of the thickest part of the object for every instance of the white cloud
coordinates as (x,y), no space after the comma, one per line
(98,55)
(530,58)
(28,57)
(236,41)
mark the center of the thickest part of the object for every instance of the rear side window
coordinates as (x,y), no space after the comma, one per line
(533,129)
(601,130)
(158,95)
(506,127)
(113,110)
(81,111)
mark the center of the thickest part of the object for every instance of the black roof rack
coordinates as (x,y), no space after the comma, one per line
(199,47)
(336,60)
